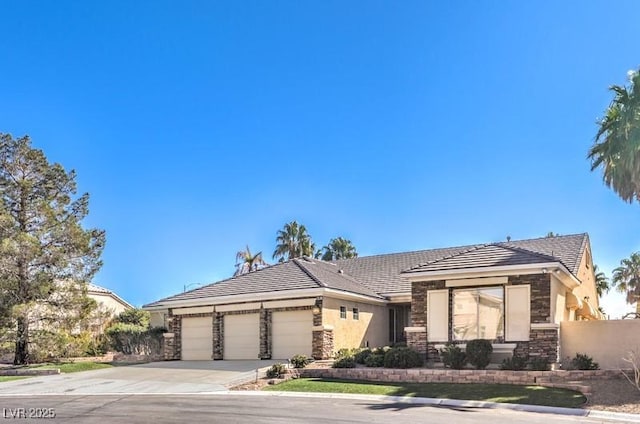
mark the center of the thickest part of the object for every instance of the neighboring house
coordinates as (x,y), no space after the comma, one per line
(514,293)
(107,300)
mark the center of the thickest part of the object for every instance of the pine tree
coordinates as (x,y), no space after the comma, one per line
(46,256)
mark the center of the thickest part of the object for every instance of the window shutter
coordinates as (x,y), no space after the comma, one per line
(438,315)
(518,313)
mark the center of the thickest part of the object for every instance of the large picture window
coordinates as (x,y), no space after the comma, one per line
(478,313)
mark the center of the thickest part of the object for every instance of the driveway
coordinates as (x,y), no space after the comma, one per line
(155,377)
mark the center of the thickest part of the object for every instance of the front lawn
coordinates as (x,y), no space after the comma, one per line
(68,367)
(10,377)
(505,393)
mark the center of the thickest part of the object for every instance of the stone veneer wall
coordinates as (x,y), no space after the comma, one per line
(322,344)
(425,375)
(218,335)
(418,339)
(322,339)
(543,342)
(265,333)
(540,285)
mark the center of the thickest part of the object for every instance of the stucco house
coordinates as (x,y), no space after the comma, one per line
(514,293)
(107,300)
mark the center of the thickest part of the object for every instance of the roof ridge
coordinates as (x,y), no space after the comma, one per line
(583,248)
(528,251)
(307,271)
(408,252)
(339,273)
(544,237)
(453,255)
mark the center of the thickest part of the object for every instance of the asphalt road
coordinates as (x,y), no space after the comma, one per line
(159,409)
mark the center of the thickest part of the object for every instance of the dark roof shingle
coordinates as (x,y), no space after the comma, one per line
(382,274)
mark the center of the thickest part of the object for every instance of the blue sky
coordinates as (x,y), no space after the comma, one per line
(200,127)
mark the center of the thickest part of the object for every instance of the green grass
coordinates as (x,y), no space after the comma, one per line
(10,377)
(68,367)
(505,393)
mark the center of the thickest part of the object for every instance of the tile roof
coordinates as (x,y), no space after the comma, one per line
(383,274)
(301,273)
(569,249)
(485,256)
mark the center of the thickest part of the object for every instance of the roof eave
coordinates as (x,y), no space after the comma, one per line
(561,271)
(258,297)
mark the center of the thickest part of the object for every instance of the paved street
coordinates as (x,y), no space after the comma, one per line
(155,377)
(159,409)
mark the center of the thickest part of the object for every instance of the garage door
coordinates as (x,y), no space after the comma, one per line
(197,339)
(241,336)
(291,334)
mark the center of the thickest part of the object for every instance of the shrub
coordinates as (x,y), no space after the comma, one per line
(479,353)
(634,376)
(382,350)
(515,363)
(135,316)
(453,357)
(374,361)
(133,339)
(276,371)
(361,357)
(344,362)
(583,361)
(300,361)
(345,352)
(539,364)
(402,357)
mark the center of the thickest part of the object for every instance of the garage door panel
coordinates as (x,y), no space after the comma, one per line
(291,334)
(197,339)
(241,336)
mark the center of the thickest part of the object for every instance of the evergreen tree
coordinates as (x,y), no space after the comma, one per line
(46,256)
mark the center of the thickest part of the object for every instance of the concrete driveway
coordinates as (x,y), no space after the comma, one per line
(154,377)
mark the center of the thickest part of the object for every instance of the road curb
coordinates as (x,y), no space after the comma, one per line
(617,416)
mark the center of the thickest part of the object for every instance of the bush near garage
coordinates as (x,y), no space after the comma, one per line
(300,361)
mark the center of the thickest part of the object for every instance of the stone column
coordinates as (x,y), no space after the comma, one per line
(168,346)
(265,334)
(417,339)
(176,329)
(322,342)
(544,341)
(218,335)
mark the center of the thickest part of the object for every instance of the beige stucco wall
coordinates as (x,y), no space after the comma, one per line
(559,312)
(607,342)
(586,275)
(109,303)
(372,327)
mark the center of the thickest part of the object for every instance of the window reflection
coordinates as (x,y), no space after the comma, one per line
(478,313)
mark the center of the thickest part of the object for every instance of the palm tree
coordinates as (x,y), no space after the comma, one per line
(602,282)
(338,248)
(617,145)
(293,241)
(247,262)
(626,279)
